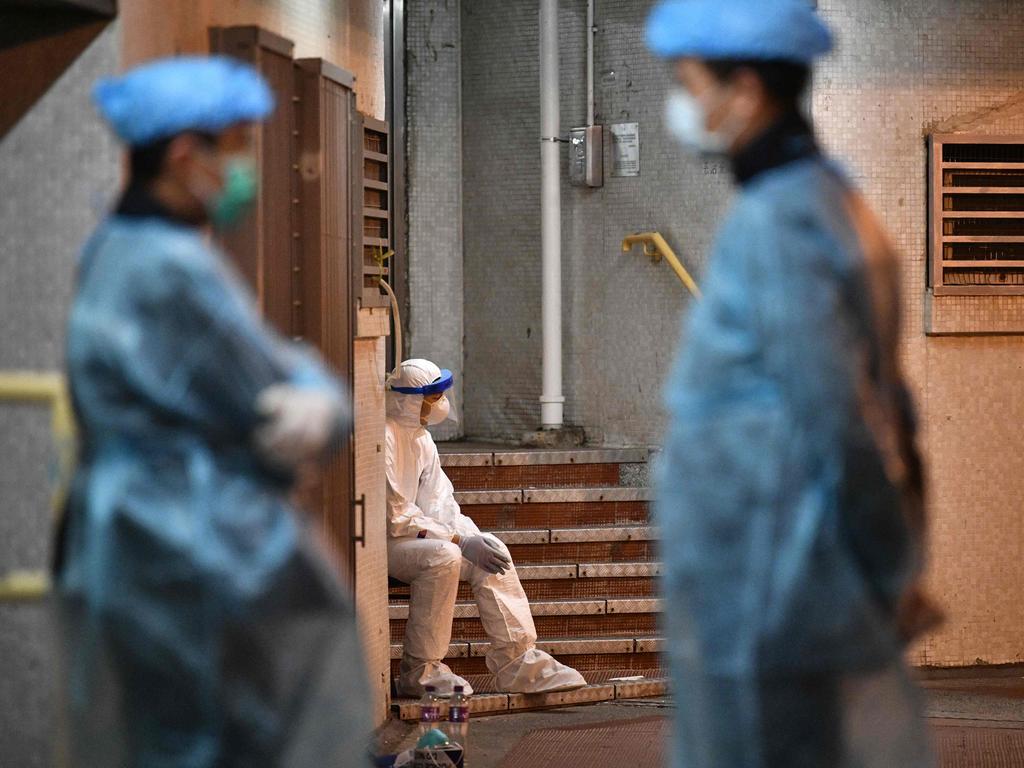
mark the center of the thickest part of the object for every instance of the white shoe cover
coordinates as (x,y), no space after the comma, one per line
(413,684)
(538,672)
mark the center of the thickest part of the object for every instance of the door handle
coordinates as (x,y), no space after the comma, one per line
(361,503)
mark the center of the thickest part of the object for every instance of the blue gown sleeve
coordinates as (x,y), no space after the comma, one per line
(202,353)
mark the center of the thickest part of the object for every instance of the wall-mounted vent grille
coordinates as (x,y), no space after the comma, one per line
(976,214)
(374,220)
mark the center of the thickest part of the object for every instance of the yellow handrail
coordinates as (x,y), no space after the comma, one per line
(656,248)
(49,389)
(24,585)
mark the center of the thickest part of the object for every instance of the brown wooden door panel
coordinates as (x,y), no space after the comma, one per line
(326,104)
(296,249)
(263,246)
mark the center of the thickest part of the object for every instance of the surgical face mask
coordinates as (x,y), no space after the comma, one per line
(238,194)
(439,411)
(687,121)
(228,205)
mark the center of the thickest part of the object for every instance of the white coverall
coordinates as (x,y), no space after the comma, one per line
(423,517)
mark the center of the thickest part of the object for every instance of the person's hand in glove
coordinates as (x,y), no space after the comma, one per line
(484,553)
(297,423)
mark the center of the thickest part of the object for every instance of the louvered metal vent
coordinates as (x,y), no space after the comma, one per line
(374,221)
(977,214)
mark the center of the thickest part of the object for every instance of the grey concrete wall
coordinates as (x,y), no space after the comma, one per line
(434,163)
(58,171)
(621,313)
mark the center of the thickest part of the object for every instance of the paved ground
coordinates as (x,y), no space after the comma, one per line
(976,722)
(491,738)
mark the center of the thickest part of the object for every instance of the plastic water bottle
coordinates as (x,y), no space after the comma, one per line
(457,727)
(430,711)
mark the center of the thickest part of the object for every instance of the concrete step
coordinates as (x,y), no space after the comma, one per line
(556,647)
(468,609)
(550,508)
(632,663)
(567,619)
(474,466)
(572,625)
(587,544)
(597,658)
(590,551)
(563,581)
(469,454)
(551,495)
(604,688)
(535,475)
(599,533)
(576,523)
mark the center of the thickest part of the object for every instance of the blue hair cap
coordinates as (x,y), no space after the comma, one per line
(756,30)
(184,93)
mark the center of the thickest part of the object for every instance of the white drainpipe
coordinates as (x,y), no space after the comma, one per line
(551,399)
(591,29)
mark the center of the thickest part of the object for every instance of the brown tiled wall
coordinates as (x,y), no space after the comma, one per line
(903,70)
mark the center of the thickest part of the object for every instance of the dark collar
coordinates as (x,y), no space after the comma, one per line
(789,139)
(137,202)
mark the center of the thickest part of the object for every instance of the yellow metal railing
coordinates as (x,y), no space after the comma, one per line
(45,389)
(656,248)
(24,585)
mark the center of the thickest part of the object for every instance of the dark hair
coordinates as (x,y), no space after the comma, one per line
(785,81)
(147,160)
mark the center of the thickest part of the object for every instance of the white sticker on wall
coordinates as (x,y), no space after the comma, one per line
(625,149)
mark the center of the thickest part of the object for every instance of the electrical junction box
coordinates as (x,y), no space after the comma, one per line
(586,156)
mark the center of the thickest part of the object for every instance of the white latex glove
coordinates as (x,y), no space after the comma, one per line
(484,553)
(298,423)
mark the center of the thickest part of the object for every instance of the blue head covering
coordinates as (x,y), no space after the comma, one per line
(785,30)
(185,93)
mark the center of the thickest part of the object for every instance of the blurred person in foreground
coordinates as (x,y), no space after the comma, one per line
(790,481)
(200,625)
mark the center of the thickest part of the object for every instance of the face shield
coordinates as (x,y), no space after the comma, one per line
(420,394)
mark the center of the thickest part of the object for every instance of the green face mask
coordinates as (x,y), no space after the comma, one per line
(241,184)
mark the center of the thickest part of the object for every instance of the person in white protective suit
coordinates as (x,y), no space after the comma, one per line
(432,545)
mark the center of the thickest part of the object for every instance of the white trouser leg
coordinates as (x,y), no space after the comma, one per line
(431,568)
(505,614)
(504,611)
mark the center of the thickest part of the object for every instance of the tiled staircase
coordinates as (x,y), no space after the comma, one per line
(576,523)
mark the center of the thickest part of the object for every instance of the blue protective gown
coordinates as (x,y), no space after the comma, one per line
(200,627)
(787,544)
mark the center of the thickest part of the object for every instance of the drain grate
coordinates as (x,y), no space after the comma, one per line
(979,747)
(642,742)
(638,742)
